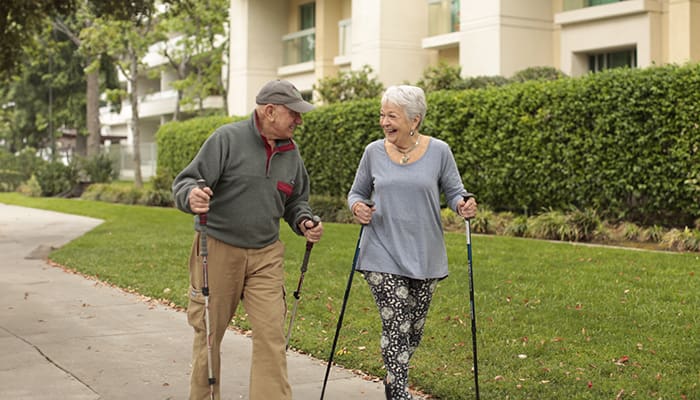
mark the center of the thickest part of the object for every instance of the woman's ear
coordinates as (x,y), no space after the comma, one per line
(416,123)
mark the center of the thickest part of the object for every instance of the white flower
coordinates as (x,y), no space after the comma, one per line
(374,278)
(384,342)
(387,313)
(419,324)
(402,292)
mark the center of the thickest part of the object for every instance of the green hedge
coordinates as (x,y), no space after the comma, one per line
(179,141)
(624,142)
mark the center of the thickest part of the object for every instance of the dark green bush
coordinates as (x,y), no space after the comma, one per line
(623,142)
(16,169)
(349,86)
(128,195)
(56,178)
(331,208)
(179,141)
(99,168)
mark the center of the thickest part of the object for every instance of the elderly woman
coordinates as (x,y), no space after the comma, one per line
(403,253)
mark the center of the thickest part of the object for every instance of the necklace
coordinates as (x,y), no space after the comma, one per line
(405,153)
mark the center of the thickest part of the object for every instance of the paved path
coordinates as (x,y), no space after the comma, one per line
(63,336)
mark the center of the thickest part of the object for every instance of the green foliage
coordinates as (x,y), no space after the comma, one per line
(517,226)
(56,178)
(537,73)
(198,53)
(46,92)
(331,141)
(681,240)
(179,141)
(348,86)
(99,168)
(15,169)
(331,208)
(22,19)
(30,188)
(482,82)
(623,142)
(128,194)
(442,77)
(612,141)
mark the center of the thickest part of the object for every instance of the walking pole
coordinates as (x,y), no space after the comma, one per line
(369,203)
(205,289)
(297,294)
(471,302)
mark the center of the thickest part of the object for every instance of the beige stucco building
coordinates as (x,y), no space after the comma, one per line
(303,41)
(306,40)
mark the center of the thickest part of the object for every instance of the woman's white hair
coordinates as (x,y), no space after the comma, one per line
(410,98)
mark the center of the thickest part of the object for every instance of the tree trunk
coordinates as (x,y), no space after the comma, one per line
(93,112)
(134,98)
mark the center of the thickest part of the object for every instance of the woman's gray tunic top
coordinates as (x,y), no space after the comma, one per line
(405,236)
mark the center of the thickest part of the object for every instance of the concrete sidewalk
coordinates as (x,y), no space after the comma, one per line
(63,336)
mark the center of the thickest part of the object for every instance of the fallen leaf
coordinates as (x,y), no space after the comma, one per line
(622,360)
(619,394)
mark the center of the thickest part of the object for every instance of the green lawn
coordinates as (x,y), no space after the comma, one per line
(554,320)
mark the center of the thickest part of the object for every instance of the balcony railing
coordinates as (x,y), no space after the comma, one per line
(299,47)
(443,17)
(576,4)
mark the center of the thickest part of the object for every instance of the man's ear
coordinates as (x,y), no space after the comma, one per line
(270,111)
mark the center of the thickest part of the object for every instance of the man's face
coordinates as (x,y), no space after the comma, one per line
(282,123)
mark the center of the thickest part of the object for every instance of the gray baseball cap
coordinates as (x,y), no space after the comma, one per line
(283,92)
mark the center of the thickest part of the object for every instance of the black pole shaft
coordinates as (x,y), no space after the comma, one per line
(204,252)
(297,293)
(471,305)
(342,312)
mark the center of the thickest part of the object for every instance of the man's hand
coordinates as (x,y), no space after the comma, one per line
(312,230)
(199,199)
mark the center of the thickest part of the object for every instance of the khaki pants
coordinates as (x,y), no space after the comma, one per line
(255,276)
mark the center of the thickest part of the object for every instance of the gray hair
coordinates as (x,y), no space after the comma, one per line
(410,98)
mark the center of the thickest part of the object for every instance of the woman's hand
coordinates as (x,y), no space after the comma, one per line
(362,212)
(467,209)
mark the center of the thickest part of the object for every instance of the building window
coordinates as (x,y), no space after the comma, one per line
(576,4)
(300,46)
(592,3)
(618,59)
(345,37)
(443,16)
(307,20)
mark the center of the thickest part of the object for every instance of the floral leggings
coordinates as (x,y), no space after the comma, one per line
(403,305)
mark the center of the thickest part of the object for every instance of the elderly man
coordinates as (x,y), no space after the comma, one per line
(254,176)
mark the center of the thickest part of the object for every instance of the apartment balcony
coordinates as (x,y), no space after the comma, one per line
(153,105)
(612,9)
